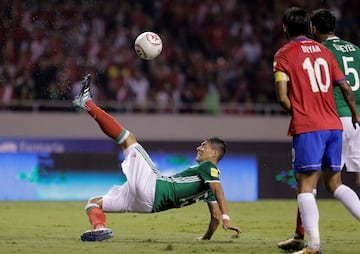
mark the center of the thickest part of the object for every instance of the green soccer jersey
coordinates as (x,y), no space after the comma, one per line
(186,187)
(348,57)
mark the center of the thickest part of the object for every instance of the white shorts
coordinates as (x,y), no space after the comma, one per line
(350,155)
(138,192)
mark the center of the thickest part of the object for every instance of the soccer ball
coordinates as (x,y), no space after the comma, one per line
(148,45)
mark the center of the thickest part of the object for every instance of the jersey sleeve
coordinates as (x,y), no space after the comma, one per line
(209,172)
(211,197)
(280,62)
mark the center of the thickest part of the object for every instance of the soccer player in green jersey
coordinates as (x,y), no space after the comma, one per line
(348,57)
(145,190)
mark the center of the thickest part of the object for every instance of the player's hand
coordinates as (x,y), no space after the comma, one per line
(226,225)
(356,121)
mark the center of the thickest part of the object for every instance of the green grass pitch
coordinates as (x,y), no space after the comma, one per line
(55,228)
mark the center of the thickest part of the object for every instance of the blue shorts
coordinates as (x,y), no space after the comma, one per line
(317,150)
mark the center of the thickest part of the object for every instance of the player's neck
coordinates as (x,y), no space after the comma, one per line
(324,37)
(330,36)
(299,37)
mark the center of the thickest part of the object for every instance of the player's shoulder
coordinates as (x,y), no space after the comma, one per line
(283,49)
(338,39)
(296,45)
(334,41)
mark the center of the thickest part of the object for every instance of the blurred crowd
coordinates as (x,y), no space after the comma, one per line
(216,52)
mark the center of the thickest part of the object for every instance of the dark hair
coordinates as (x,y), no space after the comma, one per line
(297,21)
(219,145)
(324,21)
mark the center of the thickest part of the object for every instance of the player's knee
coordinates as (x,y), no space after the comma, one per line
(332,186)
(95,200)
(332,180)
(131,139)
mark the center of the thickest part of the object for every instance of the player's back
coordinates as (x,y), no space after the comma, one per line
(348,57)
(312,70)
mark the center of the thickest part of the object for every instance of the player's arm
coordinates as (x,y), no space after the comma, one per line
(281,83)
(218,191)
(215,215)
(350,100)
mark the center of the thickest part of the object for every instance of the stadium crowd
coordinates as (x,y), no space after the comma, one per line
(215,51)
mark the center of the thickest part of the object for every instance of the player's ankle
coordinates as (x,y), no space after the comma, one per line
(298,236)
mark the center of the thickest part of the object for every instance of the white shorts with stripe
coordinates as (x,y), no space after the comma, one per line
(138,192)
(350,155)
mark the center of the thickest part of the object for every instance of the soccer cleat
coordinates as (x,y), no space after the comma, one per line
(291,244)
(84,94)
(99,234)
(307,250)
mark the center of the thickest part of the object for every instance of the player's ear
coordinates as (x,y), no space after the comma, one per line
(284,28)
(216,154)
(313,29)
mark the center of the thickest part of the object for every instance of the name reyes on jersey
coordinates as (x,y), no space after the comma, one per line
(344,48)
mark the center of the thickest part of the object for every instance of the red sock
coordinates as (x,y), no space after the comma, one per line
(96,216)
(106,122)
(299,226)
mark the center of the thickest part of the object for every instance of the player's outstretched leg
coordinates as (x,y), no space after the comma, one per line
(107,123)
